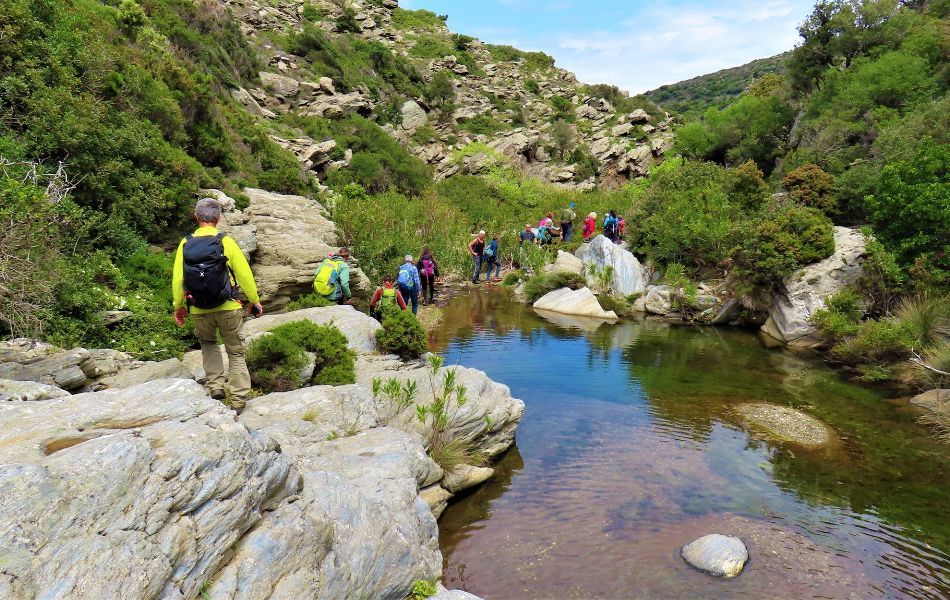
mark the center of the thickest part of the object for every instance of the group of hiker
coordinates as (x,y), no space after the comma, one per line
(414,281)
(546,232)
(210,275)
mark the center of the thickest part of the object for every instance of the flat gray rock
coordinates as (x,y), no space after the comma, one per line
(148,371)
(28,391)
(133,493)
(716,554)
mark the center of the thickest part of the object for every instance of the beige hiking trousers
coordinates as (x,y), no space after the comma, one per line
(229,323)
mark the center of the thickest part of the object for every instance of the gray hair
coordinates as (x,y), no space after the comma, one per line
(208,210)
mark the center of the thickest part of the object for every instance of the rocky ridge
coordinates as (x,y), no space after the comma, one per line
(156,490)
(517,98)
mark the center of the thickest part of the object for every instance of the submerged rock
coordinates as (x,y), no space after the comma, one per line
(629,276)
(580,302)
(786,424)
(807,289)
(716,554)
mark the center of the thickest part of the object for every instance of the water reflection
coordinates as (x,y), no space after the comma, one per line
(629,448)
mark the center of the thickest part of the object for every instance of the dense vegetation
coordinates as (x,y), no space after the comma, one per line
(692,97)
(130,98)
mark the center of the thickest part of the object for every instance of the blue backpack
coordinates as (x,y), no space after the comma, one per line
(611,226)
(405,278)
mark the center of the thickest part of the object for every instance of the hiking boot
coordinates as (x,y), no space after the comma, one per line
(218,394)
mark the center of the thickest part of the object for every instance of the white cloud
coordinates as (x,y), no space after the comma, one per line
(666,43)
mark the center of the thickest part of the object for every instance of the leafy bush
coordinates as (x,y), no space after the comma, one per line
(784,238)
(275,362)
(841,316)
(811,186)
(335,362)
(881,339)
(533,61)
(609,302)
(483,124)
(539,285)
(402,334)
(910,211)
(422,589)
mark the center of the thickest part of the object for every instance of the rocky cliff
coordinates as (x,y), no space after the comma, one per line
(503,98)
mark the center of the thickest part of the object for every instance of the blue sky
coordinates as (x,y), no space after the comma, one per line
(636,45)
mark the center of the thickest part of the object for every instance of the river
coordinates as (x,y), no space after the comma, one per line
(629,448)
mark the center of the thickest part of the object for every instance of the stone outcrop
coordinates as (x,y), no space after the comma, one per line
(580,302)
(130,493)
(28,391)
(716,554)
(156,490)
(629,276)
(293,238)
(76,370)
(566,263)
(785,424)
(806,290)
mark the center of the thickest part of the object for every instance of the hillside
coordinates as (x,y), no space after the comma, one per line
(693,96)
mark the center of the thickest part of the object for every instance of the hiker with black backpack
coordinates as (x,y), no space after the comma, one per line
(332,280)
(209,274)
(428,272)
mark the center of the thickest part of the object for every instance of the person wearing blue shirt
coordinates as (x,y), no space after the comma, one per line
(612,227)
(409,283)
(493,259)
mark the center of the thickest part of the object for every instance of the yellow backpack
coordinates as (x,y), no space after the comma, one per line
(327,276)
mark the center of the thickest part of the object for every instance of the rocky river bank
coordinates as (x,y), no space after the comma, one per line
(153,489)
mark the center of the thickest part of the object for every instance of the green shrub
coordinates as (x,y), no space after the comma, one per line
(841,316)
(539,285)
(483,124)
(417,20)
(532,61)
(881,339)
(813,187)
(784,238)
(334,361)
(422,589)
(275,362)
(609,302)
(532,86)
(513,278)
(402,334)
(311,300)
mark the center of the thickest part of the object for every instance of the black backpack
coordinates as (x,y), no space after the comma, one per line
(207,275)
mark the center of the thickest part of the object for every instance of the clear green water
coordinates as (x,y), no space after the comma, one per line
(629,449)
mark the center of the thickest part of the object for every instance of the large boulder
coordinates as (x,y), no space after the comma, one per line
(806,290)
(358,527)
(413,116)
(488,419)
(629,276)
(60,368)
(133,493)
(567,263)
(281,85)
(293,237)
(580,302)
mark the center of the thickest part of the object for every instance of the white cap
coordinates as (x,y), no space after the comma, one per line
(408,258)
(481,232)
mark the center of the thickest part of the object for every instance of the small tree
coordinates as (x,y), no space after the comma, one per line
(562,135)
(441,92)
